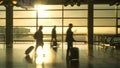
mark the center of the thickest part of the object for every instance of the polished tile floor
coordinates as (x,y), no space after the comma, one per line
(100,56)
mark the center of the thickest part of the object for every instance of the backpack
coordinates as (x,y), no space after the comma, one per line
(35,35)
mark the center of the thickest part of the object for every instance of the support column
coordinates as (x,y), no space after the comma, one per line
(90,22)
(9,24)
(90,32)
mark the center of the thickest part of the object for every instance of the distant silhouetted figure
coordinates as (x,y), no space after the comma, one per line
(39,37)
(69,38)
(54,36)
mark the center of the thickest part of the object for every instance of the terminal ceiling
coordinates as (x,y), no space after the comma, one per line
(28,3)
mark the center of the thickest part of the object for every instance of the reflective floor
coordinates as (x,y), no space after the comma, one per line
(101,56)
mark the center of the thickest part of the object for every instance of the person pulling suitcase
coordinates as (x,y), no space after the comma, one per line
(38,36)
(72,52)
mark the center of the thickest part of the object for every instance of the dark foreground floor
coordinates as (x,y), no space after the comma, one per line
(100,57)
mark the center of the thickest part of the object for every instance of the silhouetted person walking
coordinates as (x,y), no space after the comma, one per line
(39,37)
(54,36)
(69,38)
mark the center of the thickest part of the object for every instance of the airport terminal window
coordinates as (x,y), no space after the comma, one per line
(104,13)
(107,22)
(24,22)
(119,30)
(53,17)
(50,14)
(104,18)
(25,25)
(28,22)
(24,14)
(103,6)
(104,30)
(75,13)
(2,14)
(2,23)
(118,21)
(77,22)
(50,22)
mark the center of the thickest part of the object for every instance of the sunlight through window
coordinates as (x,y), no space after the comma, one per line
(41,10)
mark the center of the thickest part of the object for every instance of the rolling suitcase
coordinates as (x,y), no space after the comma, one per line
(54,43)
(29,50)
(74,53)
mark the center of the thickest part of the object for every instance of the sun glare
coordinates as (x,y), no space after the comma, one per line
(41,10)
(39,58)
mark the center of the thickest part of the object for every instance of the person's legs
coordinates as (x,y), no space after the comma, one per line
(71,44)
(36,45)
(68,48)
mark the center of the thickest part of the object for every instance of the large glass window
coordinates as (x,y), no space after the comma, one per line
(104,19)
(25,21)
(2,23)
(104,22)
(50,16)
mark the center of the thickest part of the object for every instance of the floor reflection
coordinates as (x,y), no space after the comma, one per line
(72,63)
(9,58)
(90,56)
(43,55)
(28,59)
(49,57)
(72,58)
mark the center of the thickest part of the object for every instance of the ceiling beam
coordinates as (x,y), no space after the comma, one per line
(31,3)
